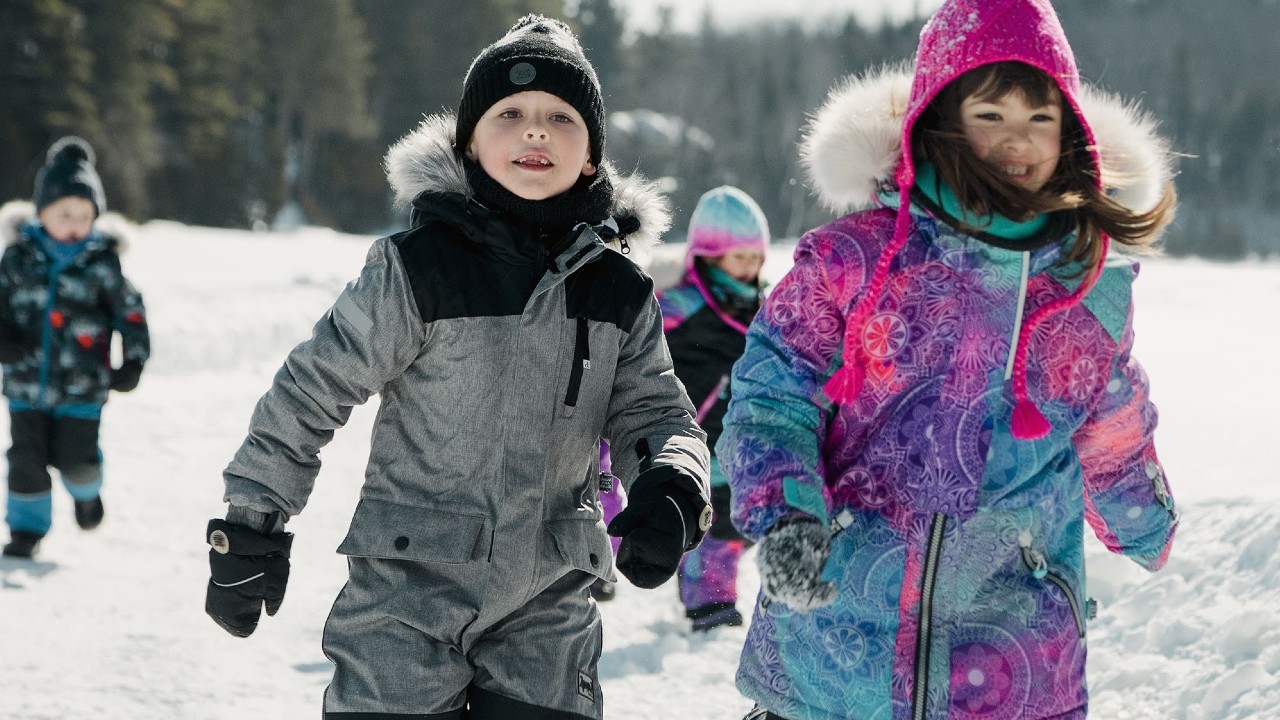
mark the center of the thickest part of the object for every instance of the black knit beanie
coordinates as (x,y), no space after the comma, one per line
(537,53)
(68,171)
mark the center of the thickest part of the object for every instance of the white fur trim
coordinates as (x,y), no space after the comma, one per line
(16,213)
(1136,163)
(853,142)
(424,160)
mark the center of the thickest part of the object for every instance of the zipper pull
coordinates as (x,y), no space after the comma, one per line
(1034,559)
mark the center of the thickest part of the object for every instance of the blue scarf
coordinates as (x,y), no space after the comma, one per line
(60,254)
(939,192)
(731,294)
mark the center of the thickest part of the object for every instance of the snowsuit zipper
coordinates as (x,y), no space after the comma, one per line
(581,361)
(1018,314)
(920,689)
(711,398)
(1039,567)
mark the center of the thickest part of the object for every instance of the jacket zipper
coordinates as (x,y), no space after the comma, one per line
(710,401)
(920,689)
(1018,314)
(1035,561)
(581,361)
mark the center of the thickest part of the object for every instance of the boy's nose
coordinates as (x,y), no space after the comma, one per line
(535,131)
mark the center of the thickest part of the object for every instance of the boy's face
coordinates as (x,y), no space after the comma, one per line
(1021,139)
(533,143)
(68,219)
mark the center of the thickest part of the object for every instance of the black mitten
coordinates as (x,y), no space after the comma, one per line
(125,377)
(791,558)
(658,525)
(248,570)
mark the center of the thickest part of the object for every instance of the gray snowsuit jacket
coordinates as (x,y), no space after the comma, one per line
(496,385)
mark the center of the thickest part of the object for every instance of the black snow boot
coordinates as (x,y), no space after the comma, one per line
(89,513)
(22,544)
(713,616)
(603,590)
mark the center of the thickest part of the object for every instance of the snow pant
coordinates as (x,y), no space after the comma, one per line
(708,574)
(65,438)
(398,656)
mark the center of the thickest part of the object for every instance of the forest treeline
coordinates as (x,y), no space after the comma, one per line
(225,112)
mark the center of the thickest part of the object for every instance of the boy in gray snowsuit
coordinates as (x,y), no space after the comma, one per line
(505,339)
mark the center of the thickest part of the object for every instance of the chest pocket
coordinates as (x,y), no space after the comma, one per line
(587,382)
(580,365)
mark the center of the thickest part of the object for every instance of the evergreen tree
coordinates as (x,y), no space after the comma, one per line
(601,24)
(129,43)
(215,169)
(316,55)
(45,74)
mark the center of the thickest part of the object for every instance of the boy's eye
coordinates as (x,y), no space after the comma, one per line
(562,118)
(509,114)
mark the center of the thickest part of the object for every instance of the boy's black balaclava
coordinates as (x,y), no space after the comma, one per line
(537,53)
(68,171)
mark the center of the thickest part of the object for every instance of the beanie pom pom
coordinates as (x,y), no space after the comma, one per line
(846,384)
(1028,423)
(70,149)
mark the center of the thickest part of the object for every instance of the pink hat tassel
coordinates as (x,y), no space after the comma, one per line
(845,385)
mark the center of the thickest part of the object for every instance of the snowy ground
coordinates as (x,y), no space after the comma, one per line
(110,624)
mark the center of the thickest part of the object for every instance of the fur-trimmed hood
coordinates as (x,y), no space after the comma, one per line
(424,161)
(113,227)
(852,144)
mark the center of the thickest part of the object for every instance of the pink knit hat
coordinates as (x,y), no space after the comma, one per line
(726,219)
(961,36)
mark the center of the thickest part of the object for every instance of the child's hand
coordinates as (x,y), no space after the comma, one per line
(658,525)
(791,558)
(125,377)
(247,571)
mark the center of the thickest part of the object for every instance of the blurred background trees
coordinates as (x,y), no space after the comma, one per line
(253,113)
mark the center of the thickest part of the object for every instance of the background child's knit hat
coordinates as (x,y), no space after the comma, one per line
(726,219)
(537,53)
(68,171)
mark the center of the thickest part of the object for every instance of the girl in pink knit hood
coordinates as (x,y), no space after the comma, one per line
(940,394)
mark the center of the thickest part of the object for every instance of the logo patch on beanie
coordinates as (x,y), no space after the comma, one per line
(522,73)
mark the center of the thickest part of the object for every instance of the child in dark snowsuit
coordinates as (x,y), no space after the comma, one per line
(505,339)
(940,395)
(62,297)
(705,317)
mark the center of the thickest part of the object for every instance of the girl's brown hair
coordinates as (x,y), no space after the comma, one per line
(938,137)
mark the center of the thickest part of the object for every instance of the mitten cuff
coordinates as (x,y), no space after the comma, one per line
(265,523)
(227,538)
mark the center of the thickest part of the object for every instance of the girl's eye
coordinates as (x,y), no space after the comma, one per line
(1042,117)
(989,116)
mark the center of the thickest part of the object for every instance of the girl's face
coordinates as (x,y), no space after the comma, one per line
(1018,139)
(741,265)
(533,143)
(68,219)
